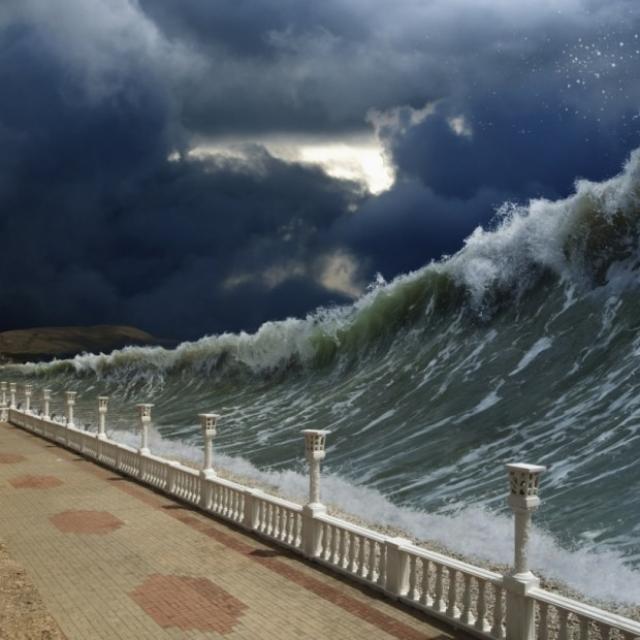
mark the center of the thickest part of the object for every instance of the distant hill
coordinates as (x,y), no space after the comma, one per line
(45,343)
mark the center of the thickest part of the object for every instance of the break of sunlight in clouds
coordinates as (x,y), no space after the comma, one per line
(335,271)
(360,158)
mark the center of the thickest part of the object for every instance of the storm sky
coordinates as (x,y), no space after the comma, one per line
(194,167)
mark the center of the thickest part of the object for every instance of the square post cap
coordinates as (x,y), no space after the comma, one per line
(3,386)
(71,396)
(144,410)
(102,402)
(28,388)
(314,443)
(523,485)
(46,393)
(208,422)
(13,386)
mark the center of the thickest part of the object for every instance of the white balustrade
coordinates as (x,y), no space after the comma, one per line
(480,602)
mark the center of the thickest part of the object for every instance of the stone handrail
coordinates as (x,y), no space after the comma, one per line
(481,602)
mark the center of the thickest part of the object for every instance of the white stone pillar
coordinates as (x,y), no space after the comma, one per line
(70,397)
(314,441)
(28,390)
(4,409)
(208,423)
(397,574)
(144,411)
(523,500)
(103,402)
(46,397)
(13,388)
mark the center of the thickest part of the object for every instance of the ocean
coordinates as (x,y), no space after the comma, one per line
(523,346)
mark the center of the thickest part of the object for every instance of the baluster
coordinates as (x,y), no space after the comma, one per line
(343,549)
(452,610)
(275,521)
(267,518)
(286,533)
(584,627)
(371,572)
(564,624)
(325,549)
(282,534)
(543,624)
(352,552)
(298,529)
(260,526)
(382,564)
(482,606)
(232,504)
(466,617)
(335,540)
(439,604)
(362,559)
(425,599)
(497,630)
(605,630)
(413,578)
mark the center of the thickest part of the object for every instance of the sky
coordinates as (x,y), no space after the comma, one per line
(196,167)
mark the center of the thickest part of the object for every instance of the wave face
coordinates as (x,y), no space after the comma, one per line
(523,346)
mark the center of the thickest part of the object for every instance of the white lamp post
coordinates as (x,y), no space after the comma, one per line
(208,422)
(3,388)
(13,388)
(103,402)
(28,390)
(71,402)
(314,444)
(523,500)
(46,397)
(144,411)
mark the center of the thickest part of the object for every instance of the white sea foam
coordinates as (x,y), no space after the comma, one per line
(536,349)
(473,531)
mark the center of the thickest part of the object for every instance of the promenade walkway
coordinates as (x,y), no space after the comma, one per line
(114,560)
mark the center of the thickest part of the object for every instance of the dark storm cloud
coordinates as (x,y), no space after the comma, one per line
(96,96)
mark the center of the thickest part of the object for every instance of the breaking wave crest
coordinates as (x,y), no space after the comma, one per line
(583,241)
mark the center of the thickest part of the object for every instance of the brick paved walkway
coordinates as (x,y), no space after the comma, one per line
(112,559)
